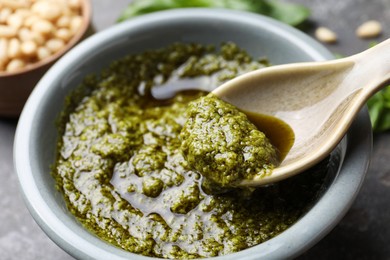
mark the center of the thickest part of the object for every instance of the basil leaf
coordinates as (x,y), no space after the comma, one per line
(379,110)
(292,14)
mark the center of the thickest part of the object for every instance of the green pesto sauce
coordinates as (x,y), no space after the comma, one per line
(222,144)
(124,177)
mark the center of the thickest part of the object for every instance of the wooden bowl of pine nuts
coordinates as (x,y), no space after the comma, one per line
(33,35)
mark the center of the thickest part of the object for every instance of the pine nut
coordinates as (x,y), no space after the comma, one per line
(76,23)
(29,48)
(55,45)
(42,26)
(369,29)
(15,20)
(7,31)
(326,35)
(74,4)
(14,4)
(4,13)
(14,50)
(47,10)
(63,21)
(14,65)
(43,53)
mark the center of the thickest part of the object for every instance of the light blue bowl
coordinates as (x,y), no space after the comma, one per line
(36,135)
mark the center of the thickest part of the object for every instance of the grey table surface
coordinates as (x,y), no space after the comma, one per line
(364,233)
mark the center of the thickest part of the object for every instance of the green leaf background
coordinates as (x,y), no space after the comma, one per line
(292,14)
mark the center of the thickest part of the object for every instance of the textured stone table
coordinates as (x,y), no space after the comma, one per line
(364,233)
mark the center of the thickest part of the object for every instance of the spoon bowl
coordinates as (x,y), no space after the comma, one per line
(318,100)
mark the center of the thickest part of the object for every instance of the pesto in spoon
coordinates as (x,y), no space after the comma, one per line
(318,100)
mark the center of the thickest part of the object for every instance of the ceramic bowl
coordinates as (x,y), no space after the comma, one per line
(36,135)
(15,87)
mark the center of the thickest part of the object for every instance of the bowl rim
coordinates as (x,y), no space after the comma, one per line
(345,186)
(86,14)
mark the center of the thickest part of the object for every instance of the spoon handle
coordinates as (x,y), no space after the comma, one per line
(371,71)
